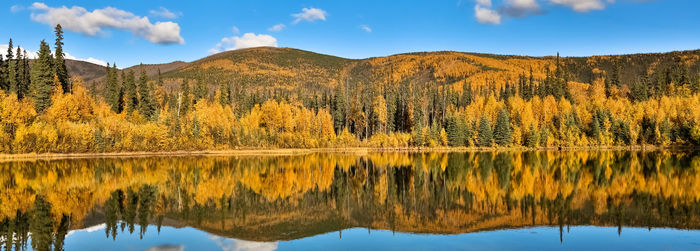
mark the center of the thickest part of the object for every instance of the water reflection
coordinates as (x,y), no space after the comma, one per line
(264,199)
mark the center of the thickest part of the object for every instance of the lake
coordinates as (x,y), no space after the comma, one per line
(586,200)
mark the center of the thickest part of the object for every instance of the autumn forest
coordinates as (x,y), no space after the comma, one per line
(287,98)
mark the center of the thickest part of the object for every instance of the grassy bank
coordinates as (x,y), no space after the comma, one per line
(301,151)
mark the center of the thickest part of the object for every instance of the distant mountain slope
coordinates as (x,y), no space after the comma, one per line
(258,69)
(269,71)
(267,67)
(86,70)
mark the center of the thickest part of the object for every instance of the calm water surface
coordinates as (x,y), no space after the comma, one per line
(384,201)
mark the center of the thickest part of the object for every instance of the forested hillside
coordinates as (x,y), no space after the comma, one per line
(282,97)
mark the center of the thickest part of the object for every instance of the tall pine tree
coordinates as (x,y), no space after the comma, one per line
(114,90)
(42,78)
(502,131)
(185,100)
(60,62)
(11,70)
(485,133)
(130,93)
(147,106)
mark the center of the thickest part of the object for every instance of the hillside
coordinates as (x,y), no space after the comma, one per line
(269,69)
(86,70)
(289,69)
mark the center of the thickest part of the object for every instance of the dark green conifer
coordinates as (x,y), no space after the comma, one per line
(42,78)
(60,62)
(502,131)
(485,133)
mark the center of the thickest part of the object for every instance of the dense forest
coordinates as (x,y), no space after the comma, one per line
(281,97)
(270,198)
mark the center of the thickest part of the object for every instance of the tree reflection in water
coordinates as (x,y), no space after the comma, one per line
(271,198)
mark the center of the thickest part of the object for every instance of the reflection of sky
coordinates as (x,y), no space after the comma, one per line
(228,244)
(537,238)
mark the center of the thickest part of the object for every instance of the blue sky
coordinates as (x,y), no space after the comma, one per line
(130,32)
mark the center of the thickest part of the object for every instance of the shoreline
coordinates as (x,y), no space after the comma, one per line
(302,151)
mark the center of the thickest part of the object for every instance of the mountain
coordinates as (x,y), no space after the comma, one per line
(292,68)
(269,71)
(86,70)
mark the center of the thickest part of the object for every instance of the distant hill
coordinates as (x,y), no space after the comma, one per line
(292,68)
(267,70)
(86,70)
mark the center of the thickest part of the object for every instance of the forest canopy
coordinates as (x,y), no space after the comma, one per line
(283,98)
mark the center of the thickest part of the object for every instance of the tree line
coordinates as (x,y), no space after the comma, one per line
(42,109)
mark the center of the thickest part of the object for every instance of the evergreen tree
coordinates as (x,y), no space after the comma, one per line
(418,139)
(19,75)
(42,78)
(200,90)
(596,133)
(502,131)
(114,89)
(466,94)
(456,130)
(532,139)
(23,88)
(60,62)
(544,136)
(147,106)
(485,133)
(224,93)
(185,100)
(159,81)
(131,94)
(665,130)
(11,70)
(339,112)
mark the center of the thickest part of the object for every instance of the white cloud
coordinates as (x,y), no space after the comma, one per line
(162,12)
(235,30)
(3,51)
(309,14)
(276,28)
(16,8)
(92,23)
(247,40)
(485,3)
(520,8)
(583,5)
(486,15)
(32,55)
(89,59)
(366,28)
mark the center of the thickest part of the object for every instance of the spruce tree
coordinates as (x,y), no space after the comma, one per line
(532,139)
(185,100)
(19,74)
(42,78)
(456,130)
(339,104)
(502,131)
(200,90)
(60,62)
(146,103)
(10,82)
(130,93)
(224,93)
(25,78)
(159,81)
(113,89)
(485,133)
